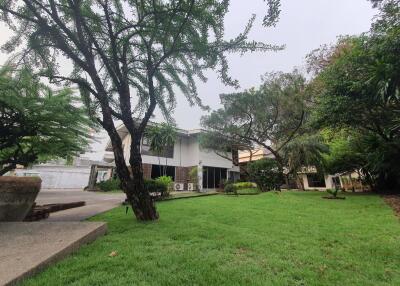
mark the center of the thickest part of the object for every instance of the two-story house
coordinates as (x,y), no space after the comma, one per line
(180,159)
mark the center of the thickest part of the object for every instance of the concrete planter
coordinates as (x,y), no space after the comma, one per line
(17,195)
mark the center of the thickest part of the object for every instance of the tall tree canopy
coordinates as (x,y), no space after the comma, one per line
(37,123)
(129,57)
(360,90)
(269,116)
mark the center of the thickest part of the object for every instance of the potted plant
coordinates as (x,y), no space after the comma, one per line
(17,195)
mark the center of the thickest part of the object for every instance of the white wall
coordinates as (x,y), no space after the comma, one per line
(59,177)
(190,155)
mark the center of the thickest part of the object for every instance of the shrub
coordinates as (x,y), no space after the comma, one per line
(153,186)
(167,182)
(267,174)
(160,185)
(222,184)
(109,185)
(333,192)
(230,188)
(244,185)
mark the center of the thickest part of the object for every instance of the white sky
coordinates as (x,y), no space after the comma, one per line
(304,25)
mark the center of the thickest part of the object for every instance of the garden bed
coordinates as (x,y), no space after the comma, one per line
(246,192)
(394,202)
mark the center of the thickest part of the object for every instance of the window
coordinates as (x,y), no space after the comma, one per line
(316,180)
(212,177)
(158,171)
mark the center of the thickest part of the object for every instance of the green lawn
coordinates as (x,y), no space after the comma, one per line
(290,238)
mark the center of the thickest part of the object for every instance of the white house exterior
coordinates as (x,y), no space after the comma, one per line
(60,175)
(185,155)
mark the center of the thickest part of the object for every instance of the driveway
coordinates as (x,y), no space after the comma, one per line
(95,203)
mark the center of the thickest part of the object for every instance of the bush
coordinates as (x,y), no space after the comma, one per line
(154,186)
(267,174)
(109,185)
(244,185)
(333,192)
(230,188)
(167,182)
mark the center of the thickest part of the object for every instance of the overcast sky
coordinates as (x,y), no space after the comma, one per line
(303,26)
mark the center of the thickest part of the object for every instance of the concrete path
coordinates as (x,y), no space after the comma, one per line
(28,247)
(95,203)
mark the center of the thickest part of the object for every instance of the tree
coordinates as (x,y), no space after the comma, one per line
(38,123)
(360,92)
(348,153)
(345,151)
(128,57)
(303,151)
(266,173)
(270,116)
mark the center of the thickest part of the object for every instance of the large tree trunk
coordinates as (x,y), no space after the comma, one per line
(142,204)
(132,183)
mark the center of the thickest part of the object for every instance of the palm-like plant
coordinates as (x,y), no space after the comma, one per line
(168,134)
(154,135)
(161,136)
(303,151)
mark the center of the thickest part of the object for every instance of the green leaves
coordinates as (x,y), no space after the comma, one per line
(37,123)
(143,51)
(266,173)
(161,136)
(268,116)
(358,98)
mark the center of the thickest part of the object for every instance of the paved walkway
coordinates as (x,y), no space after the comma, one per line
(95,203)
(28,247)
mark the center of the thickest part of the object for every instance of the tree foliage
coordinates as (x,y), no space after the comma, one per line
(345,151)
(38,123)
(129,57)
(266,173)
(360,92)
(269,116)
(306,150)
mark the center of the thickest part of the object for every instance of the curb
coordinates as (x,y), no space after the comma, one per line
(92,235)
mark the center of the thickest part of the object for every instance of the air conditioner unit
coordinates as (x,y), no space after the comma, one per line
(178,186)
(190,187)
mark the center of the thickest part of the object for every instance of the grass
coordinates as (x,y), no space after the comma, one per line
(289,238)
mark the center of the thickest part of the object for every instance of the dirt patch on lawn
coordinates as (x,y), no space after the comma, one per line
(394,202)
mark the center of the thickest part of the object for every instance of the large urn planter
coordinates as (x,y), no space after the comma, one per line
(17,195)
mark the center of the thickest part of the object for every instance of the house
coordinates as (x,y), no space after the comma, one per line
(178,160)
(253,155)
